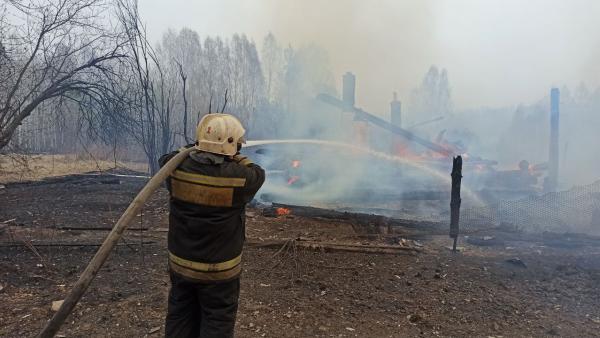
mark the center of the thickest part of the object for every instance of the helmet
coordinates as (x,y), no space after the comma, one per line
(219,134)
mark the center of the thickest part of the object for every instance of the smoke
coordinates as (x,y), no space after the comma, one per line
(342,175)
(497,53)
(388,45)
(501,56)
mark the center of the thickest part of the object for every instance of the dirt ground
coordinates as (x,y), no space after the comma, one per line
(515,285)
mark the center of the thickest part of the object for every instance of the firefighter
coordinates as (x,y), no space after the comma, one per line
(208,195)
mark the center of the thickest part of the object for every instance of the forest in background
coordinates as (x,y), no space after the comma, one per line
(81,75)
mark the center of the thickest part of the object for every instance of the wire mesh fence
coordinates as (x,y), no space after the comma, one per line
(574,210)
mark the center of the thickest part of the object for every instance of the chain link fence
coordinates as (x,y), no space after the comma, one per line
(574,210)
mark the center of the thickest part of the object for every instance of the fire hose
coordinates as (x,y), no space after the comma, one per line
(109,243)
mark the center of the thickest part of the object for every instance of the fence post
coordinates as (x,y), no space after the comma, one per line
(455,199)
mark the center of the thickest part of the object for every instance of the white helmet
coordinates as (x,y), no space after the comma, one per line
(219,134)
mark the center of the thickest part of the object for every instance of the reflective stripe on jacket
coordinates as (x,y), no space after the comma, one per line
(207,214)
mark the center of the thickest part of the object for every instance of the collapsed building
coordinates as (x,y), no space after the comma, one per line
(378,166)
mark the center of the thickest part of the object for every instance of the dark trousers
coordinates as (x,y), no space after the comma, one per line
(201,310)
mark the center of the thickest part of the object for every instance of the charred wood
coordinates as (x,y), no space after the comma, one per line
(334,247)
(455,199)
(15,245)
(368,223)
(95,229)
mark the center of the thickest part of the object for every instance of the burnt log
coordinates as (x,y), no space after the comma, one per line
(360,195)
(334,247)
(361,222)
(455,199)
(72,244)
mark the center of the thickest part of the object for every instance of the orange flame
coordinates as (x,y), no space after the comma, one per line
(283,211)
(293,179)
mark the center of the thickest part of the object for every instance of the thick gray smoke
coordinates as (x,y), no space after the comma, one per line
(497,61)
(498,53)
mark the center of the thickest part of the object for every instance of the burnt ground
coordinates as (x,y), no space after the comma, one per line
(552,289)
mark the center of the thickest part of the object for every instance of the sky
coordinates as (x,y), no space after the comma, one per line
(497,52)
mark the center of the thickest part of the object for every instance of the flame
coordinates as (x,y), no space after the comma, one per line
(413,162)
(295,163)
(293,179)
(283,211)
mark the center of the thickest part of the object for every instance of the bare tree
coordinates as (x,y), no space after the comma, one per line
(272,64)
(153,91)
(49,49)
(183,76)
(433,97)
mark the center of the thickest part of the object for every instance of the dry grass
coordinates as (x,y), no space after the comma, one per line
(18,167)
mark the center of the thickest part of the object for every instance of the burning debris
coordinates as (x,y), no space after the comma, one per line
(409,173)
(282,211)
(362,223)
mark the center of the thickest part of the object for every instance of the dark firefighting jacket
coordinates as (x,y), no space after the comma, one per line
(208,196)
